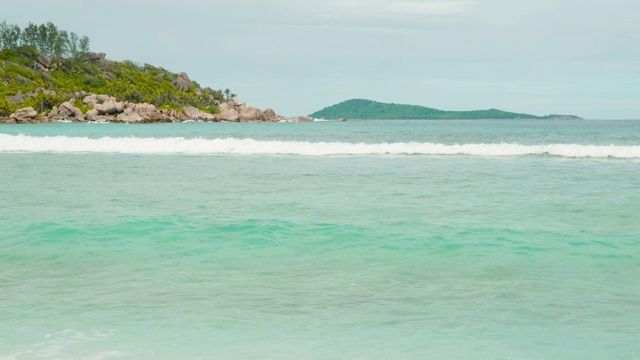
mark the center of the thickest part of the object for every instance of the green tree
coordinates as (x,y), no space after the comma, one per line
(73,47)
(59,46)
(47,39)
(83,45)
(30,35)
(10,35)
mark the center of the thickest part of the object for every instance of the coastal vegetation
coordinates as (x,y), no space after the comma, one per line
(367,109)
(42,66)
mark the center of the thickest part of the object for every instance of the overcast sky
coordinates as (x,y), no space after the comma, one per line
(577,57)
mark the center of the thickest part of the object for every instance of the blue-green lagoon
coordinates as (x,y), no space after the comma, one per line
(324,240)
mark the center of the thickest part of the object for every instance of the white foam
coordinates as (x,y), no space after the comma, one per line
(179,145)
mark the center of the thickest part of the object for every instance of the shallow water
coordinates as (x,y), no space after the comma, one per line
(166,252)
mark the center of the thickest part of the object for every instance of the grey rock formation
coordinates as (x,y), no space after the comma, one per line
(228,112)
(92,57)
(304,118)
(110,107)
(92,115)
(129,117)
(43,63)
(269,115)
(236,110)
(192,113)
(67,111)
(182,82)
(16,99)
(249,113)
(25,116)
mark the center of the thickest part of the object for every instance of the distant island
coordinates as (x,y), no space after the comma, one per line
(367,109)
(50,75)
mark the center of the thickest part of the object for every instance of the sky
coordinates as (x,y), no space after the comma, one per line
(579,57)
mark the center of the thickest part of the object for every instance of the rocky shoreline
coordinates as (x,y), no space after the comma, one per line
(105,108)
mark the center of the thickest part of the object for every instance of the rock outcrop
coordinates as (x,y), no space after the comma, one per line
(24,116)
(182,82)
(236,110)
(303,118)
(66,111)
(43,63)
(192,113)
(107,108)
(92,57)
(270,115)
(17,98)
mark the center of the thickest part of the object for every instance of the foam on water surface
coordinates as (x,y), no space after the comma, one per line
(180,145)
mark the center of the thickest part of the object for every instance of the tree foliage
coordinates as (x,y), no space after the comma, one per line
(46,38)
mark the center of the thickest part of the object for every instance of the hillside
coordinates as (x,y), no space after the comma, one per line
(48,74)
(367,109)
(33,79)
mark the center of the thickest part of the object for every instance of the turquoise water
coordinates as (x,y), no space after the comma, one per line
(357,240)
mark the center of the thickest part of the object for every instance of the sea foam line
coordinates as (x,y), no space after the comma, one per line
(179,145)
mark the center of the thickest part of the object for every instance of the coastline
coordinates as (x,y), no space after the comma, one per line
(105,108)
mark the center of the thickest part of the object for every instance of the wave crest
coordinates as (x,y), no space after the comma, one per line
(179,145)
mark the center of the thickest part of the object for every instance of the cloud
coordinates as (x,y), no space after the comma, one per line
(374,10)
(382,8)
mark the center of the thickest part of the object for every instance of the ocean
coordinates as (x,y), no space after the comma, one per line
(511,239)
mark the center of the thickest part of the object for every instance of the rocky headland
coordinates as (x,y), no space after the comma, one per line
(42,83)
(105,108)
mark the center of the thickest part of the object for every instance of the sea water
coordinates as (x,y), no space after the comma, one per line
(325,240)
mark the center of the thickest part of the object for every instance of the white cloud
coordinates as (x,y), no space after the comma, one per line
(376,9)
(382,8)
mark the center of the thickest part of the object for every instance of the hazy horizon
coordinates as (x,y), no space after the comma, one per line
(542,57)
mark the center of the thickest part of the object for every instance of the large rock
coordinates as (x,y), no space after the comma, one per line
(304,118)
(67,111)
(130,117)
(92,57)
(192,113)
(249,113)
(16,99)
(92,115)
(182,82)
(145,109)
(25,116)
(236,102)
(228,114)
(43,63)
(158,116)
(269,115)
(110,107)
(90,100)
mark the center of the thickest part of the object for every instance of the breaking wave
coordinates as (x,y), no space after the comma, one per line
(179,145)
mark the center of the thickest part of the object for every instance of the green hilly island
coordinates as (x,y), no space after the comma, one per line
(367,109)
(48,74)
(44,69)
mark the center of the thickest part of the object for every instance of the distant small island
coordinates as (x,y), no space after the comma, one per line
(367,109)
